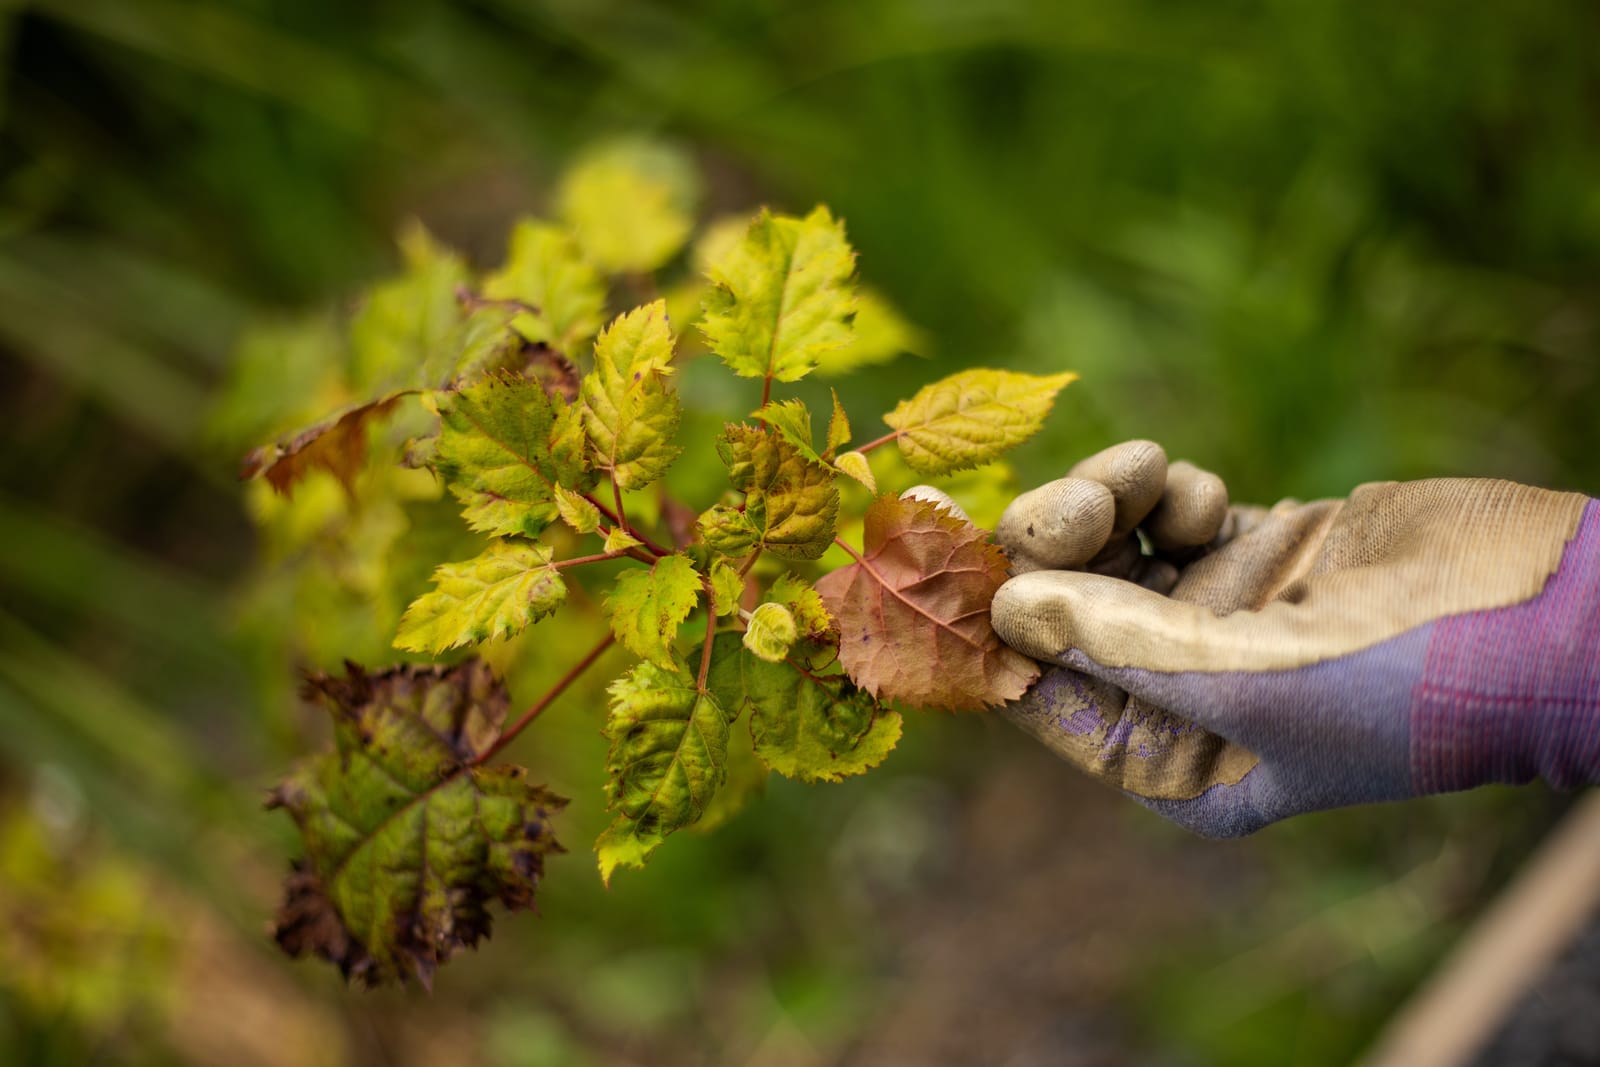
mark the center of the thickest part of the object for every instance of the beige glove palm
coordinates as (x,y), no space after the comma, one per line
(1310,655)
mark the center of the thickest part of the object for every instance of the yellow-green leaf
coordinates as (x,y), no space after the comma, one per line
(856,466)
(563,296)
(804,604)
(727,588)
(782,297)
(628,413)
(792,419)
(970,418)
(790,502)
(647,607)
(770,632)
(505,445)
(668,756)
(497,594)
(838,425)
(880,334)
(727,529)
(620,540)
(631,204)
(576,510)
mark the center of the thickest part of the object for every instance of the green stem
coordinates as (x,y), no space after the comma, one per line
(544,702)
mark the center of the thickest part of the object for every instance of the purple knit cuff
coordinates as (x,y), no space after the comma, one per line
(1514,694)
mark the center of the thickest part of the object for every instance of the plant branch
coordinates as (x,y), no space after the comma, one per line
(620,521)
(885,439)
(579,561)
(711,635)
(544,702)
(766,390)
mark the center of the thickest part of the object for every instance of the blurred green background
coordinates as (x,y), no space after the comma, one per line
(1306,244)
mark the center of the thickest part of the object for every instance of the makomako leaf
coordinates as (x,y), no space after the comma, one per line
(782,297)
(913,612)
(727,529)
(505,445)
(576,510)
(629,414)
(790,502)
(880,334)
(338,446)
(564,296)
(648,606)
(668,756)
(620,540)
(970,418)
(804,603)
(855,465)
(406,841)
(497,594)
(727,588)
(792,419)
(406,330)
(814,728)
(838,425)
(771,632)
(631,203)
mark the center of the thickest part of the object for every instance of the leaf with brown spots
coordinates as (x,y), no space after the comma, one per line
(338,446)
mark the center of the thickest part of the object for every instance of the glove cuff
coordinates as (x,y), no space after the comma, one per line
(1512,694)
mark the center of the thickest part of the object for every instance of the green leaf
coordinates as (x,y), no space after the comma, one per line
(576,510)
(647,607)
(498,594)
(790,502)
(401,335)
(628,413)
(668,756)
(620,540)
(792,419)
(726,529)
(631,203)
(970,418)
(783,297)
(814,728)
(838,425)
(880,334)
(504,447)
(804,603)
(855,465)
(563,296)
(771,632)
(406,841)
(727,588)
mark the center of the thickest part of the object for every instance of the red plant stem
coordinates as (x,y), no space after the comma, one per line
(885,439)
(544,702)
(578,561)
(621,522)
(745,568)
(766,390)
(853,553)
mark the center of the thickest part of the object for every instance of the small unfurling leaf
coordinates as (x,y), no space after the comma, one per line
(629,414)
(970,418)
(497,594)
(620,540)
(913,614)
(814,728)
(563,296)
(576,510)
(338,446)
(727,588)
(782,297)
(792,419)
(647,607)
(838,425)
(790,502)
(669,753)
(505,446)
(406,840)
(804,603)
(855,465)
(770,632)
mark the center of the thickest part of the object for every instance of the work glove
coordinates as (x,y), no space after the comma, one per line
(1232,666)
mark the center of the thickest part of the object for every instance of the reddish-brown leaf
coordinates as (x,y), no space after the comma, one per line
(913,612)
(338,446)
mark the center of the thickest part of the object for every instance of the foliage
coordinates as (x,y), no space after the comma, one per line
(408,833)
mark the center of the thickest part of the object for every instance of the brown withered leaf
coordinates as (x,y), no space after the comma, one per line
(913,614)
(407,838)
(338,446)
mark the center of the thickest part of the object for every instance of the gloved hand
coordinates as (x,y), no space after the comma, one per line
(1415,638)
